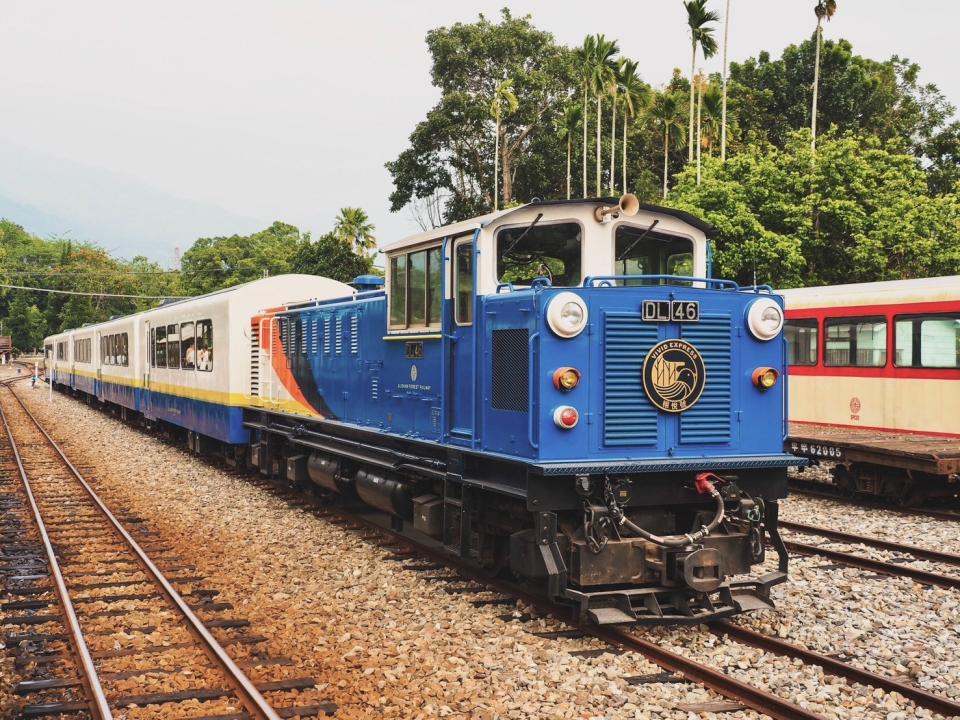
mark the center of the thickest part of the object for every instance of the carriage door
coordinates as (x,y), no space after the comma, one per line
(97,352)
(462,394)
(147,357)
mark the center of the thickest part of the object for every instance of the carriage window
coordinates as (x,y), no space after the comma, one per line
(801,341)
(855,342)
(187,350)
(61,351)
(928,341)
(531,251)
(398,290)
(173,347)
(463,283)
(204,345)
(160,347)
(640,252)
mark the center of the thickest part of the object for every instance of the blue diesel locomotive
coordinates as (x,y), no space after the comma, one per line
(559,391)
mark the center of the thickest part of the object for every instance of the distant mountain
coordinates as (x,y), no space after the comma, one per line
(51,196)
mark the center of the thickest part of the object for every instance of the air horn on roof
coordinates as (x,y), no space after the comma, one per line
(628,206)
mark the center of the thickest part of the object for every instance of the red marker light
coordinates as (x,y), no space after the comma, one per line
(566,417)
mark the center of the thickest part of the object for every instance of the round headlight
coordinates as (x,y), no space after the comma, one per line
(567,314)
(765,319)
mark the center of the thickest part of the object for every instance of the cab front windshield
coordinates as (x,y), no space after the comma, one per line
(531,251)
(641,251)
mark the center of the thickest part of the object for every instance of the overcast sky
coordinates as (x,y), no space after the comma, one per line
(288,110)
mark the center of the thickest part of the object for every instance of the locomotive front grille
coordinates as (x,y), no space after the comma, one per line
(629,418)
(709,420)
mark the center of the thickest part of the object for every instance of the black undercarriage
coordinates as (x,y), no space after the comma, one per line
(564,536)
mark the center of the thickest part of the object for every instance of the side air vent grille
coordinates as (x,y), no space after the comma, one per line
(315,337)
(510,372)
(338,336)
(709,420)
(629,418)
(326,336)
(354,335)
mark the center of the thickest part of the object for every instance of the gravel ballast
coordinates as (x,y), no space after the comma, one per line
(383,641)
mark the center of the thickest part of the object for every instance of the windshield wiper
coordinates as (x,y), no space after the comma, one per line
(522,235)
(625,253)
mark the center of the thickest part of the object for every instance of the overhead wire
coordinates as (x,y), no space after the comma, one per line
(96,294)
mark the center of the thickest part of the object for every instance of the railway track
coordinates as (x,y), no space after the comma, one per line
(82,598)
(811,488)
(676,667)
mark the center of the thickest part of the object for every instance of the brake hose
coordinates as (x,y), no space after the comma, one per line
(704,486)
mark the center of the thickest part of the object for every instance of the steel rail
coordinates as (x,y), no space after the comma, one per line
(802,487)
(918,552)
(831,665)
(99,707)
(725,685)
(247,692)
(886,568)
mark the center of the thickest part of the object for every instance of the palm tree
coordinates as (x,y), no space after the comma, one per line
(698,19)
(586,56)
(571,118)
(502,94)
(353,226)
(823,9)
(603,76)
(714,126)
(700,84)
(634,94)
(723,120)
(668,110)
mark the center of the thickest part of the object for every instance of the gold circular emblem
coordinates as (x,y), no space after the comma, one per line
(674,375)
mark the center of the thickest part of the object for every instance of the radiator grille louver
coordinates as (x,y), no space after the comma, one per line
(510,371)
(709,420)
(326,336)
(628,416)
(354,335)
(338,333)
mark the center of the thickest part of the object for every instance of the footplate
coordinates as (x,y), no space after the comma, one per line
(655,605)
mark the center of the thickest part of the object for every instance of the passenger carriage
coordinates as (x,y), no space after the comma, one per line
(185,363)
(875,383)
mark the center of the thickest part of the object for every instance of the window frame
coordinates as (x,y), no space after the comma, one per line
(193,338)
(466,241)
(430,323)
(559,221)
(854,320)
(656,232)
(807,323)
(916,346)
(196,325)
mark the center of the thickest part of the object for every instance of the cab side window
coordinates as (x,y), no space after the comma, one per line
(416,287)
(463,283)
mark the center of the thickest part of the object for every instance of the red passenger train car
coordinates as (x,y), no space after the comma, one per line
(875,383)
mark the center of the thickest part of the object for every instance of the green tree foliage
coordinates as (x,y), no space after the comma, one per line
(30,261)
(219,262)
(856,94)
(450,153)
(860,213)
(329,256)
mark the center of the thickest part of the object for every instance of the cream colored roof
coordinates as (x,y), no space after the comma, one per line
(875,293)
